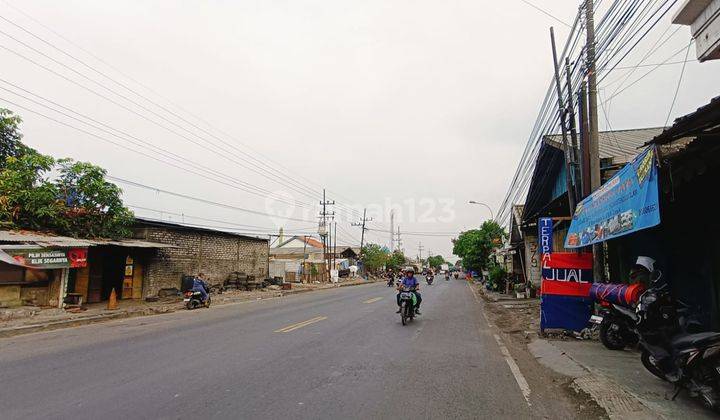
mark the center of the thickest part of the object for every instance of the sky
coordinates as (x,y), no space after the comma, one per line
(417,106)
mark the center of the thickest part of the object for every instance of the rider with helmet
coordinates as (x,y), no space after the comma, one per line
(413,285)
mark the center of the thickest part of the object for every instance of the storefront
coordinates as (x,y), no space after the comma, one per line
(36,275)
(43,270)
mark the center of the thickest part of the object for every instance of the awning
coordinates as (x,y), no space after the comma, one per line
(49,240)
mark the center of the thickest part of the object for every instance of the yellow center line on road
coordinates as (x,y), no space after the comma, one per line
(299,325)
(373,300)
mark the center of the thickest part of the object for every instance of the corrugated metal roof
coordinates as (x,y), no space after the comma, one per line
(45,239)
(620,145)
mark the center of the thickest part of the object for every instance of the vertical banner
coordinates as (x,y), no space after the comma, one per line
(565,291)
(545,235)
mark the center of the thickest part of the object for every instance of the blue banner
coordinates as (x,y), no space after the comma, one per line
(626,203)
(545,235)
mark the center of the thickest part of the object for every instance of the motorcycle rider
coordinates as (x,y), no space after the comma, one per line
(201,286)
(410,282)
(391,277)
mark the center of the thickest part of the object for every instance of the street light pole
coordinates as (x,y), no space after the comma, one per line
(492,216)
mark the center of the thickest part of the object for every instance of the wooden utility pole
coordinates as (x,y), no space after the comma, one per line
(563,128)
(593,131)
(584,134)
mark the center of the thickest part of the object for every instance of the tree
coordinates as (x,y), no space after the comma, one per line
(10,137)
(79,202)
(27,198)
(396,260)
(436,261)
(374,257)
(475,246)
(93,206)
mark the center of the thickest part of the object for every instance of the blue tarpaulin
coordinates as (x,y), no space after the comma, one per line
(626,203)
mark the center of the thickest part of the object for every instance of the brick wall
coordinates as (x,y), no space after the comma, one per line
(214,253)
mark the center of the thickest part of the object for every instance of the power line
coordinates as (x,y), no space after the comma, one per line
(677,88)
(194,115)
(198,199)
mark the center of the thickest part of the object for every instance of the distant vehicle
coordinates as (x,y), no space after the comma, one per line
(444,267)
(193,300)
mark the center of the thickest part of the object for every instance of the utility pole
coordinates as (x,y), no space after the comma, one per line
(593,141)
(362,226)
(398,240)
(334,248)
(392,230)
(573,131)
(563,128)
(323,230)
(420,250)
(584,134)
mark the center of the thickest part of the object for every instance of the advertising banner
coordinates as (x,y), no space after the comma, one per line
(565,291)
(45,258)
(626,203)
(545,235)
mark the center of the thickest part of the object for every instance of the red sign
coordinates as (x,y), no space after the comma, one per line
(567,274)
(77,257)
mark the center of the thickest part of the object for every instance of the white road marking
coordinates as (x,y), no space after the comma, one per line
(373,300)
(519,378)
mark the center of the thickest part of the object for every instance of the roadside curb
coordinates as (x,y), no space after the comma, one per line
(76,322)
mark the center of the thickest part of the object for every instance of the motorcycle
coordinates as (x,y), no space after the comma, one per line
(391,282)
(456,275)
(687,360)
(193,300)
(447,277)
(407,305)
(429,279)
(616,325)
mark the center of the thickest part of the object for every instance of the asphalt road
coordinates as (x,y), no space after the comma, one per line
(351,359)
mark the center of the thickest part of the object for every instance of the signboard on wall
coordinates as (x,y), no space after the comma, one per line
(565,291)
(626,203)
(45,258)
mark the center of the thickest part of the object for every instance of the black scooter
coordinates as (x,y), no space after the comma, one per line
(616,325)
(688,360)
(429,279)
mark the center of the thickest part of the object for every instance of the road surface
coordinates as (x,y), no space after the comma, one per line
(332,354)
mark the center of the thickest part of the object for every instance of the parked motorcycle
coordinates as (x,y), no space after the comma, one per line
(616,325)
(407,305)
(193,300)
(687,360)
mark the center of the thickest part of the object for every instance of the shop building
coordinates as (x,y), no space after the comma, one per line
(192,249)
(45,270)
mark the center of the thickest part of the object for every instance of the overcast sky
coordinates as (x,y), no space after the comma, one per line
(421,104)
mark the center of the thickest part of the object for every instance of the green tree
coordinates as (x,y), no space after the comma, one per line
(475,246)
(396,260)
(436,261)
(79,202)
(93,206)
(10,137)
(27,198)
(374,257)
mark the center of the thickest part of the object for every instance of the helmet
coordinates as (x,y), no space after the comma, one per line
(409,270)
(646,262)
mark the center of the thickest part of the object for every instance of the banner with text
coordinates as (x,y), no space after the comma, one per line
(45,258)
(626,203)
(565,289)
